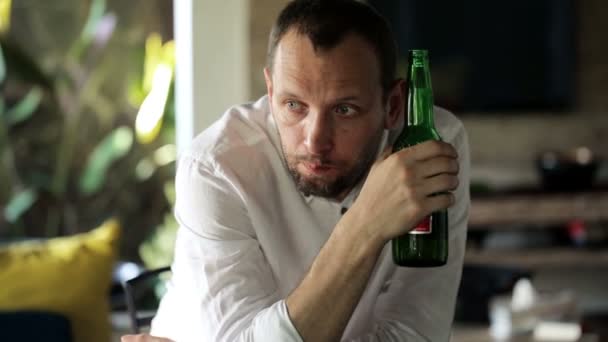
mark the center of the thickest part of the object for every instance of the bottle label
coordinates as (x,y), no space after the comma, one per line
(424,226)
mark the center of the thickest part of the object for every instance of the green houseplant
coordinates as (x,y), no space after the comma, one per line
(71,155)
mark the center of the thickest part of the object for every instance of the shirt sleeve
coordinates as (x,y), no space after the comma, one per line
(222,288)
(418,304)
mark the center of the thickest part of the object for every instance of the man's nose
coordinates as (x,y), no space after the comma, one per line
(320,132)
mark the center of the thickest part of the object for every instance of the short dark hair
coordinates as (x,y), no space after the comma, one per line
(327,22)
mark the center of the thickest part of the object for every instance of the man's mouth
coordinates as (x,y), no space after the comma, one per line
(317,167)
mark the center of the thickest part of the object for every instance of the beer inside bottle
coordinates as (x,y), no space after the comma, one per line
(427,244)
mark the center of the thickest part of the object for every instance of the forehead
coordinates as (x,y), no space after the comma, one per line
(352,61)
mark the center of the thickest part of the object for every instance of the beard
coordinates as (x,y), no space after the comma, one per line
(333,188)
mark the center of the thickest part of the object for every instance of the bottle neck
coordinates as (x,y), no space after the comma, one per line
(420,95)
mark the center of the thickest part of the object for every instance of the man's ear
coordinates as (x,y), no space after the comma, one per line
(396,105)
(268,79)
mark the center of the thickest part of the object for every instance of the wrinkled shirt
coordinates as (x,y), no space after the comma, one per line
(247,237)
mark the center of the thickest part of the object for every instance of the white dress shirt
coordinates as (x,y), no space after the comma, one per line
(247,237)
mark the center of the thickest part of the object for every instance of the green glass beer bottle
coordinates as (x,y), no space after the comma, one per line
(427,244)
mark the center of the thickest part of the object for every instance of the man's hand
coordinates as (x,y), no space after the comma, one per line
(143,338)
(404,187)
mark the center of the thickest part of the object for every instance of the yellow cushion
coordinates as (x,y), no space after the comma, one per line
(67,275)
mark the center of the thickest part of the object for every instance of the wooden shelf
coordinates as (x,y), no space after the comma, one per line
(540,258)
(538,208)
(481,333)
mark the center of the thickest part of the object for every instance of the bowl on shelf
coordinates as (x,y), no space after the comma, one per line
(479,284)
(569,170)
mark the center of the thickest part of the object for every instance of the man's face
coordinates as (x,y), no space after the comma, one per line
(329,111)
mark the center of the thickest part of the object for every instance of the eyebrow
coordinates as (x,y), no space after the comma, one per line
(288,94)
(340,99)
(348,98)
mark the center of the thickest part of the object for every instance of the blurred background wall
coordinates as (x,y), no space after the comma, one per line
(505,145)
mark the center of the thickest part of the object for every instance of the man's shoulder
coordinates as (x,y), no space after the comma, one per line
(239,130)
(239,152)
(444,117)
(450,127)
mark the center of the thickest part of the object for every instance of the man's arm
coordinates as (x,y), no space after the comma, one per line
(418,304)
(222,287)
(395,196)
(143,338)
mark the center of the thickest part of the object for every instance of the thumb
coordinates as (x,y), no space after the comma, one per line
(385,153)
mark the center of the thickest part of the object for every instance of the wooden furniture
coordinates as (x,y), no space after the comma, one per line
(535,209)
(538,208)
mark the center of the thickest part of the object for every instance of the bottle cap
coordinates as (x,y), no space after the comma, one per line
(419,53)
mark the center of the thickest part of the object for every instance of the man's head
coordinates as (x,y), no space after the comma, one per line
(331,81)
(327,22)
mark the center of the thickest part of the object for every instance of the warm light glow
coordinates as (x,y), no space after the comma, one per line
(122,139)
(5,15)
(149,117)
(144,169)
(165,155)
(584,155)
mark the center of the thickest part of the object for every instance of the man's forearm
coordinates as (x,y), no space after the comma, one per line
(321,306)
(399,191)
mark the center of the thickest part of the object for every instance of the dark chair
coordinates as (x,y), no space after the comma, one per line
(133,288)
(479,284)
(30,326)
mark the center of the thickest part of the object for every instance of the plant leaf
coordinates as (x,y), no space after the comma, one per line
(20,65)
(154,52)
(19,204)
(24,109)
(145,169)
(113,147)
(5,15)
(96,12)
(169,190)
(169,53)
(148,122)
(2,65)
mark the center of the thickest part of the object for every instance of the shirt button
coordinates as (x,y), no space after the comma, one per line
(343,211)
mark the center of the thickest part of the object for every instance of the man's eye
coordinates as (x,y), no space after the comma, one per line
(345,110)
(294,106)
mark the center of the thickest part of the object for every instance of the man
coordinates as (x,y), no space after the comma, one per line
(286,206)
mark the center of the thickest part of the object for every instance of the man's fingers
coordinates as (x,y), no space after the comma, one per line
(440,201)
(386,152)
(143,338)
(439,184)
(439,165)
(431,149)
